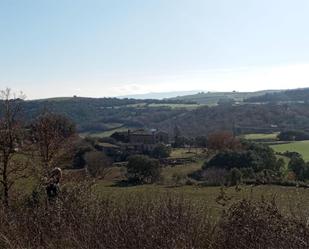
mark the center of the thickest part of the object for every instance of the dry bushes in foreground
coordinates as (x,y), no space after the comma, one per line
(81,221)
(249,225)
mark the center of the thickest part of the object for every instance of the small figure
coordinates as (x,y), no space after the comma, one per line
(53,183)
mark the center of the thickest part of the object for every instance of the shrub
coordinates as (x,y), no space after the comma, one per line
(299,167)
(142,169)
(223,140)
(161,151)
(257,157)
(260,225)
(234,177)
(97,163)
(79,220)
(214,176)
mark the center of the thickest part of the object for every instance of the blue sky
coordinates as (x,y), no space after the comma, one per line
(109,48)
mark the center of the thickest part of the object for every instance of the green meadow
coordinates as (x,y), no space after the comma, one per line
(302,147)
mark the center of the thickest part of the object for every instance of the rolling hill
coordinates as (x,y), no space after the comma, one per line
(105,115)
(212,98)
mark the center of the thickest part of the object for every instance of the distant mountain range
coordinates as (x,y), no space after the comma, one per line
(159,95)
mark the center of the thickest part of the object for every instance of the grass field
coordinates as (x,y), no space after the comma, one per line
(260,136)
(104,133)
(177,106)
(287,198)
(301,147)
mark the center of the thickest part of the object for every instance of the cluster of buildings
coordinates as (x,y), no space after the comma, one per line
(135,142)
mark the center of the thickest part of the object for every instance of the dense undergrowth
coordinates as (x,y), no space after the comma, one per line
(79,219)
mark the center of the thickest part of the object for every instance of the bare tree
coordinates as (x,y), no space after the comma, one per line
(223,140)
(52,134)
(12,140)
(98,164)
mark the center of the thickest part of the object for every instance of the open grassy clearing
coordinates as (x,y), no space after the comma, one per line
(287,198)
(176,106)
(261,136)
(104,133)
(172,174)
(186,152)
(301,147)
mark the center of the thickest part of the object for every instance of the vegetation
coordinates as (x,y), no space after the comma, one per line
(12,140)
(301,147)
(295,95)
(102,117)
(142,169)
(166,202)
(262,136)
(161,151)
(97,163)
(212,98)
(51,134)
(293,136)
(156,221)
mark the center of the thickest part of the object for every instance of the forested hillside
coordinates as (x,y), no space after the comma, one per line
(213,98)
(240,119)
(295,95)
(101,114)
(109,114)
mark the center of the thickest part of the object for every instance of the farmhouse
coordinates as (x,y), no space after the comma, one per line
(141,140)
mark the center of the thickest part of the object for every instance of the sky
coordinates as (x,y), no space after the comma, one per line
(96,48)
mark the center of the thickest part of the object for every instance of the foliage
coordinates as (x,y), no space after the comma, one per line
(12,143)
(161,151)
(295,95)
(293,136)
(223,140)
(142,169)
(51,134)
(234,177)
(81,220)
(252,159)
(299,167)
(201,141)
(260,225)
(97,163)
(299,147)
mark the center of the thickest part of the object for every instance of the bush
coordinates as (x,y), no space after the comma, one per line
(214,176)
(260,225)
(82,221)
(257,157)
(142,169)
(161,151)
(234,177)
(299,167)
(97,163)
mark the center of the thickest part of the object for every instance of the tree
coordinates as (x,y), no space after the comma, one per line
(142,169)
(161,151)
(235,177)
(97,163)
(223,140)
(201,141)
(255,156)
(293,136)
(178,141)
(299,167)
(52,134)
(12,142)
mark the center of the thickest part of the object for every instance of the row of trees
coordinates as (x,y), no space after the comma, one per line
(26,148)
